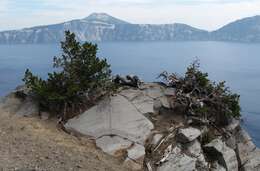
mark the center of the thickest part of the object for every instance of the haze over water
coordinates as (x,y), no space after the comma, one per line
(236,63)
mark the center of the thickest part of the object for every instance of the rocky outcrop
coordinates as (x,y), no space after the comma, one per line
(118,124)
(140,126)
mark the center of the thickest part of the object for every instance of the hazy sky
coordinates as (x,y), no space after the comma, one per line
(205,14)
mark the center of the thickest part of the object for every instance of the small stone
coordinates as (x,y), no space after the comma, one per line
(165,102)
(187,135)
(113,145)
(156,139)
(193,148)
(136,153)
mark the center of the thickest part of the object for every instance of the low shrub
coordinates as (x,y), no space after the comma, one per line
(202,97)
(80,76)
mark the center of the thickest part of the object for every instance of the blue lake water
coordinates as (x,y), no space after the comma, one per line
(238,64)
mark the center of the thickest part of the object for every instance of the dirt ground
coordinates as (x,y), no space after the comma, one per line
(28,144)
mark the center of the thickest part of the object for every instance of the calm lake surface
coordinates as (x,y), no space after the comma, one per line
(238,64)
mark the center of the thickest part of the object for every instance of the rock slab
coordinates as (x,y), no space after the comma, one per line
(112,116)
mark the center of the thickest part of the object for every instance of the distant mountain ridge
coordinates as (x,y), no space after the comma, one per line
(103,27)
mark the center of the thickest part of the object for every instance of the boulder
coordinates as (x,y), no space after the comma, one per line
(178,161)
(187,135)
(136,153)
(112,116)
(218,150)
(113,145)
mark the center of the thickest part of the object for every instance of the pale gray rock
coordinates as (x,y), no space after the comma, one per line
(131,94)
(193,148)
(113,145)
(156,139)
(135,157)
(141,101)
(144,104)
(178,161)
(136,153)
(165,102)
(186,135)
(112,116)
(218,150)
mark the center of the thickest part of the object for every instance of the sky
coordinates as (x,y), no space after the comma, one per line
(204,14)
